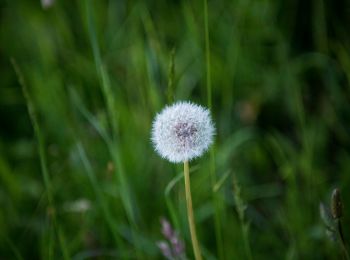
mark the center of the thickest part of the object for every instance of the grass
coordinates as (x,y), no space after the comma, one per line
(82,81)
(216,200)
(51,211)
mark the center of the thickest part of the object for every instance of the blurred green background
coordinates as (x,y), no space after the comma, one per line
(79,178)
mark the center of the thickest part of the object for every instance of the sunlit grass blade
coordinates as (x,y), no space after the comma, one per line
(113,146)
(221,181)
(111,222)
(119,171)
(76,100)
(101,71)
(168,200)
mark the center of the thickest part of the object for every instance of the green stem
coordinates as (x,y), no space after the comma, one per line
(169,202)
(111,112)
(43,163)
(246,241)
(99,195)
(102,71)
(207,53)
(342,240)
(216,199)
(195,244)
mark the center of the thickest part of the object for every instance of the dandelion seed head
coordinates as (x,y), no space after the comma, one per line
(182,131)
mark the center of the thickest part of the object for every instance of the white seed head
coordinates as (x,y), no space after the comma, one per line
(182,131)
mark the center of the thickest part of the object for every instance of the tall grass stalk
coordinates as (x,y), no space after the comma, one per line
(113,145)
(171,77)
(99,196)
(299,167)
(126,200)
(241,207)
(169,202)
(341,239)
(43,162)
(337,212)
(102,72)
(113,152)
(216,201)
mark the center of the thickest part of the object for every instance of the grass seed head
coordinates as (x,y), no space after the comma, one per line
(336,204)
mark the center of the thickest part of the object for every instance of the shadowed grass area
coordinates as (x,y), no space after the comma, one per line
(78,175)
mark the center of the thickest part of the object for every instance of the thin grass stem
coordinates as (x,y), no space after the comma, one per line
(43,162)
(102,72)
(216,200)
(110,107)
(169,202)
(342,240)
(241,208)
(98,193)
(207,54)
(119,171)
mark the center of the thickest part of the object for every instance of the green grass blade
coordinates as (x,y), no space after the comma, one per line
(169,202)
(99,195)
(43,159)
(101,70)
(216,200)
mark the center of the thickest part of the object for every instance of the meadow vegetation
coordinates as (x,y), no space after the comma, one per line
(81,82)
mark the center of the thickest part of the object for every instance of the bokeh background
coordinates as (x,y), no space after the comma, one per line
(79,178)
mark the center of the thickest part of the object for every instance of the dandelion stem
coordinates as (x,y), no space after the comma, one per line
(196,249)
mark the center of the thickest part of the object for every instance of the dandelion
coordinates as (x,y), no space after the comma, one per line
(182,132)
